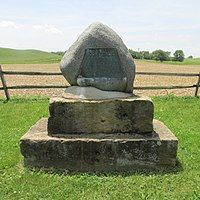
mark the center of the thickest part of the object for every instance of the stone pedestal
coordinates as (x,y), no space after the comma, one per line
(88,134)
(99,130)
(99,152)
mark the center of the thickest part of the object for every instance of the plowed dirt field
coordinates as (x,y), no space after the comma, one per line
(140,80)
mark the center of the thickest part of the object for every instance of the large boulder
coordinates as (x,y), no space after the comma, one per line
(96,37)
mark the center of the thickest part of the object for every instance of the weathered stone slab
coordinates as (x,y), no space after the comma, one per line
(99,54)
(99,152)
(120,115)
(92,93)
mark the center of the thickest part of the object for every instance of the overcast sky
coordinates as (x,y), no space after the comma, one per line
(53,25)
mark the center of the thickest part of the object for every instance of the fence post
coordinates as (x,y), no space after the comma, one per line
(3,80)
(197,86)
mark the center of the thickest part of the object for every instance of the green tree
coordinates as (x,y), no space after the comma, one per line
(179,56)
(145,55)
(161,55)
(61,53)
(135,54)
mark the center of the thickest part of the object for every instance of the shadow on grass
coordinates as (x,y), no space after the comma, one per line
(24,99)
(162,171)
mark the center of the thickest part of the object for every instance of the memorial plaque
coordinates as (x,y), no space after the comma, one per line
(101,62)
(101,68)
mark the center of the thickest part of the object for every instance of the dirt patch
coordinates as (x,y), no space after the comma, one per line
(140,80)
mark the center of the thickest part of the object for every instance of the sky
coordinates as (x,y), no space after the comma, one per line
(53,25)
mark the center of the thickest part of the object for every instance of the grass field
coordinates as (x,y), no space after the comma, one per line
(180,114)
(13,56)
(187,61)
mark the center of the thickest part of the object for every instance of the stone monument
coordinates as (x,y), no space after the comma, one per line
(98,124)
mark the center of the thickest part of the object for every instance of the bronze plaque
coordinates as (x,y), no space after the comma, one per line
(101,62)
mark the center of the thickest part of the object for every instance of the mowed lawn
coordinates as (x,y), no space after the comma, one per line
(180,114)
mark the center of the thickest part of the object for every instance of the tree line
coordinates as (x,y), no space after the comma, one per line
(159,55)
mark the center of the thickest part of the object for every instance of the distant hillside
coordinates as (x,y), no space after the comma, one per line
(30,56)
(187,61)
(13,56)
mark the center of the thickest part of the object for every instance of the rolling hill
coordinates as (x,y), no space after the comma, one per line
(30,56)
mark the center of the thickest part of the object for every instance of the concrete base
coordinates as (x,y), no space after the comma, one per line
(93,94)
(99,152)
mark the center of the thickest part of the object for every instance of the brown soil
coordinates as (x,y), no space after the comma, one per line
(140,80)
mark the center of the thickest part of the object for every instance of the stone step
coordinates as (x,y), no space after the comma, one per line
(99,152)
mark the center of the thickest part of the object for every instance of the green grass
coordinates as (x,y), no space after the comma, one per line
(13,56)
(187,61)
(180,114)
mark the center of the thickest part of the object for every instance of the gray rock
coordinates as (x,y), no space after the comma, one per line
(100,47)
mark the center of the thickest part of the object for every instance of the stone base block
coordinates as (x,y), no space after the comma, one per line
(121,115)
(99,152)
